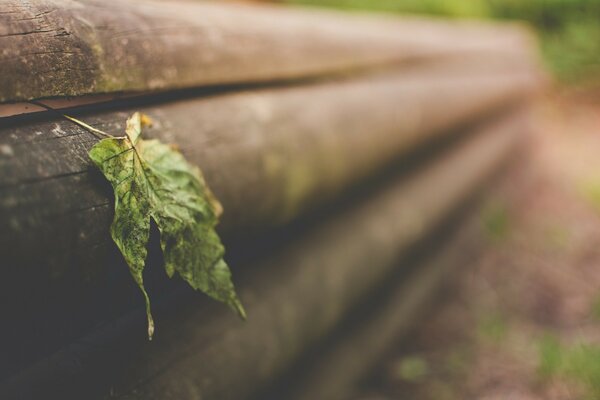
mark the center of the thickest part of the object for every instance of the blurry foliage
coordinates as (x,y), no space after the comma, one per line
(493,326)
(496,221)
(465,8)
(550,353)
(569,29)
(557,237)
(579,363)
(595,312)
(459,359)
(412,368)
(590,191)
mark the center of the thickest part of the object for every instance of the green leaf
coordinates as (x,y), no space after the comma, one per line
(153,181)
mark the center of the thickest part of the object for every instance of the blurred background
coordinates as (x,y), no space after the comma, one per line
(522,322)
(569,30)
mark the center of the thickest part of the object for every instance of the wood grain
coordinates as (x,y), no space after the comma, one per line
(295,296)
(72,48)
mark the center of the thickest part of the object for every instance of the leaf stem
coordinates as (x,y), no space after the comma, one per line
(82,124)
(91,128)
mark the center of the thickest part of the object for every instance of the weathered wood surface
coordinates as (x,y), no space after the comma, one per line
(342,361)
(268,155)
(202,354)
(277,149)
(70,48)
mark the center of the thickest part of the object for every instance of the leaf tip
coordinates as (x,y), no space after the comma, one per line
(148,309)
(239,308)
(150,327)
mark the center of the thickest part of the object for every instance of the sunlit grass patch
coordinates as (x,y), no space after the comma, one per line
(590,191)
(493,326)
(579,363)
(411,368)
(595,311)
(496,221)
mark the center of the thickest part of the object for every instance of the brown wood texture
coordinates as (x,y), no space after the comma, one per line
(294,297)
(72,48)
(342,361)
(268,155)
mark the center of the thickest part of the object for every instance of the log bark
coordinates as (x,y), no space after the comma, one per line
(343,360)
(294,297)
(269,155)
(69,48)
(280,150)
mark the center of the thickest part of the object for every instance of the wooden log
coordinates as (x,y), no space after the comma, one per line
(64,48)
(294,297)
(341,361)
(269,155)
(280,150)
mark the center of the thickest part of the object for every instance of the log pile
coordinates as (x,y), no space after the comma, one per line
(337,144)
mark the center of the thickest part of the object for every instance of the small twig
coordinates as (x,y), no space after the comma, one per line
(82,124)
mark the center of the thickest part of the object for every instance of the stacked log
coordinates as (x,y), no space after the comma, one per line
(62,48)
(336,145)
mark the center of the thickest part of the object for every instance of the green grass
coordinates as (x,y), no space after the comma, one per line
(579,363)
(550,356)
(435,7)
(412,368)
(590,191)
(595,312)
(496,220)
(493,326)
